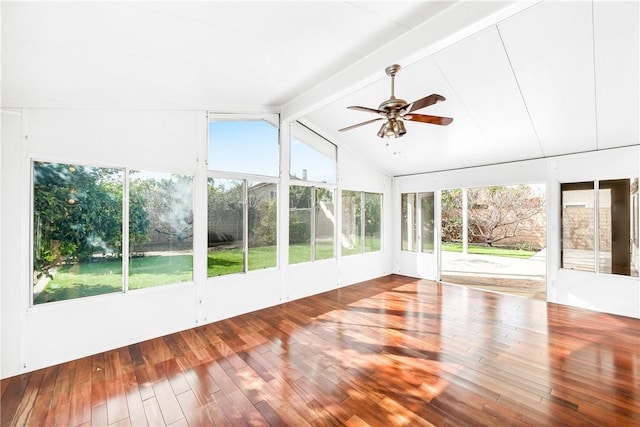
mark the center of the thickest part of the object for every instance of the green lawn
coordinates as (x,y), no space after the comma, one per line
(488,250)
(105,276)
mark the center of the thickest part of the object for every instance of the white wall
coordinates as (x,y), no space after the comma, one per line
(602,292)
(154,140)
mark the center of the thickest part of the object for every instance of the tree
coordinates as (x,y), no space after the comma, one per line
(168,203)
(494,213)
(451,228)
(264,230)
(497,213)
(372,209)
(225,205)
(78,213)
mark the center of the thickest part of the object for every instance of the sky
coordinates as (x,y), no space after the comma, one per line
(252,147)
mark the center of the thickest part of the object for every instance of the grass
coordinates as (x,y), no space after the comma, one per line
(105,276)
(488,250)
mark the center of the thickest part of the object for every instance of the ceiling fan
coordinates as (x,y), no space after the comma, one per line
(394,111)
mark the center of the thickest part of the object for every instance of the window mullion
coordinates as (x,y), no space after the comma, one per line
(363,214)
(313,224)
(245,225)
(125,231)
(596,225)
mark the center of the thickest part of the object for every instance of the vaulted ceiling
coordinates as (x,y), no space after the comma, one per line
(522,79)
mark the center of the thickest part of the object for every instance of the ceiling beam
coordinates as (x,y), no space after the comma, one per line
(453,24)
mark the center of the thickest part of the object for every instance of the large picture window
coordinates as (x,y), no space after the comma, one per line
(80,230)
(598,226)
(361,222)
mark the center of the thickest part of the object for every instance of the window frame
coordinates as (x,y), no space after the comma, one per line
(271,118)
(125,207)
(313,134)
(595,187)
(246,179)
(416,226)
(313,207)
(363,221)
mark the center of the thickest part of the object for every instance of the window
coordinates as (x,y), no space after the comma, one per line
(408,228)
(324,223)
(244,144)
(361,222)
(311,208)
(426,222)
(311,224)
(418,222)
(351,223)
(77,231)
(79,224)
(599,225)
(225,226)
(313,158)
(263,221)
(242,193)
(160,229)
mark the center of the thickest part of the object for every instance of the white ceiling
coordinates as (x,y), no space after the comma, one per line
(522,79)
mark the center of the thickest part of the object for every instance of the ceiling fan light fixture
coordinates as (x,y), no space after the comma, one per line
(392,128)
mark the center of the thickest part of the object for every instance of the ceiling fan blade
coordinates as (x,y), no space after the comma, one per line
(366,109)
(426,101)
(360,124)
(434,120)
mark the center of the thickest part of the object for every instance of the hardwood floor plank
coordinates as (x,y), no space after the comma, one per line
(99,415)
(387,352)
(80,410)
(98,381)
(195,413)
(27,401)
(135,404)
(168,403)
(41,410)
(152,410)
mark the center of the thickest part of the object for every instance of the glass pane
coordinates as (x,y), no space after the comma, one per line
(249,146)
(427,221)
(160,229)
(615,227)
(325,224)
(408,224)
(578,218)
(225,227)
(373,222)
(77,225)
(299,224)
(313,158)
(451,218)
(351,223)
(263,208)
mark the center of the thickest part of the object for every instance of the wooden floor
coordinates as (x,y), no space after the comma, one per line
(391,351)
